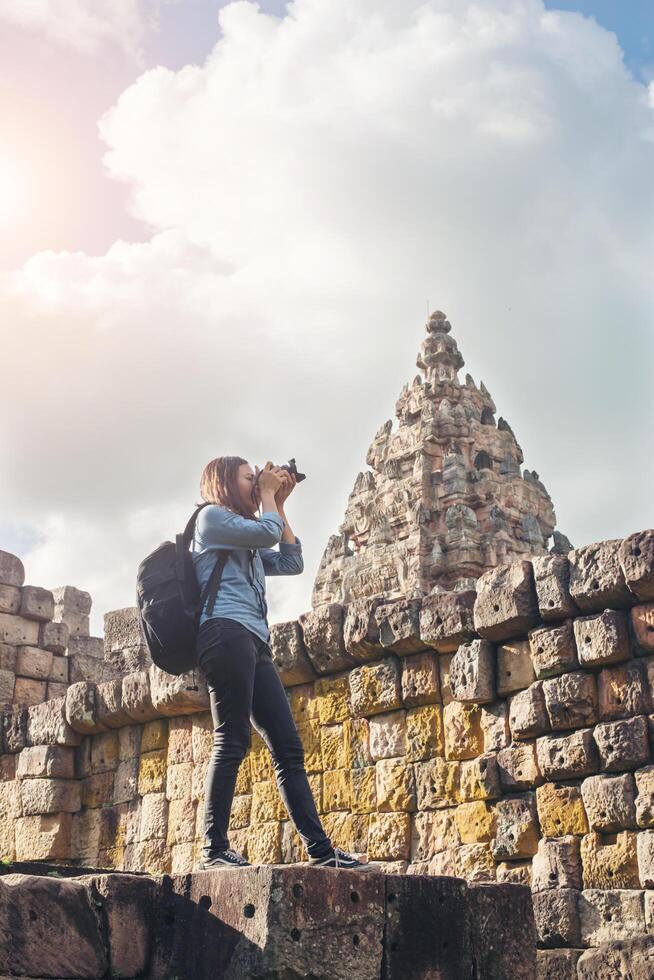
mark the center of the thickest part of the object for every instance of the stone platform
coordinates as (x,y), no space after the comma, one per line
(268,921)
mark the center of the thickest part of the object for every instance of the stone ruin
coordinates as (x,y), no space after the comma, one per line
(445,498)
(491,747)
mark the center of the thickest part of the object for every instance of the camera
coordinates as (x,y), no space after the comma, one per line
(290,467)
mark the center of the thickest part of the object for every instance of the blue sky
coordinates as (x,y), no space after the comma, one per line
(631,20)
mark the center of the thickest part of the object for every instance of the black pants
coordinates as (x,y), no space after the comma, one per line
(244,687)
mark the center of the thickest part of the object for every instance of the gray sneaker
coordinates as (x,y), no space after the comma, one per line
(340,859)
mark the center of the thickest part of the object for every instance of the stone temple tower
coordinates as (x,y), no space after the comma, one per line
(445,498)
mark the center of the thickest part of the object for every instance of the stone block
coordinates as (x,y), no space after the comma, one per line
(399,626)
(424,732)
(180,740)
(154,735)
(515,670)
(611,915)
(47,724)
(86,646)
(363,794)
(8,689)
(390,837)
(267,804)
(506,603)
(12,571)
(610,861)
(622,744)
(557,964)
(557,917)
(64,930)
(109,705)
(567,756)
(81,708)
(98,790)
(50,761)
(437,783)
(179,780)
(58,670)
(609,802)
(14,729)
(151,856)
(125,648)
(602,639)
(517,828)
(336,790)
(571,700)
(444,664)
(645,853)
(128,907)
(333,747)
(332,699)
(55,690)
(152,772)
(495,726)
(360,630)
(154,816)
(447,620)
(105,752)
(642,628)
(472,672)
(561,810)
(636,558)
(431,832)
(634,958)
(27,691)
(503,934)
(388,735)
(557,864)
(9,599)
(464,738)
(18,631)
(527,714)
(8,657)
(475,863)
(514,872)
(420,682)
(44,837)
(552,582)
(32,662)
(322,631)
(518,767)
(394,786)
(178,695)
(36,603)
(645,796)
(479,779)
(181,822)
(126,780)
(90,669)
(376,688)
(553,649)
(136,697)
(623,691)
(49,796)
(475,822)
(596,578)
(289,655)
(357,742)
(54,637)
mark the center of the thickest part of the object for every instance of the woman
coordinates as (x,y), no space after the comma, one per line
(234,652)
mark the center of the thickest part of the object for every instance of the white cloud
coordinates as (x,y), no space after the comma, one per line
(310,188)
(82,24)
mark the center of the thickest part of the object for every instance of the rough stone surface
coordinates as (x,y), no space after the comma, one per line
(602,639)
(322,631)
(506,603)
(622,744)
(515,670)
(420,679)
(609,861)
(553,649)
(642,627)
(609,916)
(596,578)
(287,647)
(527,714)
(609,802)
(36,603)
(633,958)
(623,691)
(552,582)
(178,695)
(636,558)
(376,688)
(557,964)
(446,619)
(567,756)
(12,571)
(571,700)
(557,917)
(557,864)
(399,626)
(472,672)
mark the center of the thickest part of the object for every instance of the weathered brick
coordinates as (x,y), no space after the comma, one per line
(17,630)
(12,570)
(136,698)
(552,582)
(399,626)
(47,725)
(527,714)
(388,735)
(390,837)
(475,822)
(36,603)
(32,662)
(645,796)
(26,691)
(464,738)
(446,619)
(557,864)
(622,744)
(54,761)
(178,695)
(424,732)
(472,672)
(567,756)
(322,632)
(495,726)
(515,670)
(395,787)
(553,649)
(645,854)
(561,810)
(54,637)
(506,603)
(571,700)
(431,832)
(49,796)
(517,828)
(332,699)
(289,655)
(636,557)
(610,861)
(557,918)
(336,789)
(475,863)
(420,679)
(479,779)
(596,578)
(363,793)
(623,691)
(602,639)
(609,802)
(360,629)
(81,708)
(518,767)
(376,688)
(609,915)
(9,599)
(437,783)
(642,628)
(44,837)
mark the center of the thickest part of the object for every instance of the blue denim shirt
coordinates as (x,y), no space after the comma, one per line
(242,591)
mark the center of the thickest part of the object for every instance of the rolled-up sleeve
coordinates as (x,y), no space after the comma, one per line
(220,526)
(287,561)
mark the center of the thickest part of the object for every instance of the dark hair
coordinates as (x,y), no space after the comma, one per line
(217,484)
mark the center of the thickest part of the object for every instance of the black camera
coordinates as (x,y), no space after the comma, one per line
(290,467)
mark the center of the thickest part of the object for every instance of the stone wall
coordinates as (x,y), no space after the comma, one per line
(497,735)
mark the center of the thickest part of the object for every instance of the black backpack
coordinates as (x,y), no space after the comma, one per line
(169,600)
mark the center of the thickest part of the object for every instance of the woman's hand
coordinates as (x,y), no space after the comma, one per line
(287,487)
(270,478)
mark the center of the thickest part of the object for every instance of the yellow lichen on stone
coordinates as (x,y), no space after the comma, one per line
(302,699)
(241,812)
(154,735)
(424,732)
(475,822)
(266,802)
(333,741)
(474,862)
(309,732)
(261,765)
(315,782)
(348,830)
(152,772)
(363,791)
(181,822)
(561,810)
(263,842)
(357,742)
(610,861)
(336,789)
(395,786)
(389,837)
(243,777)
(332,698)
(464,738)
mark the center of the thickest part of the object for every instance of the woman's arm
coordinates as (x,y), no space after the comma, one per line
(288,560)
(220,526)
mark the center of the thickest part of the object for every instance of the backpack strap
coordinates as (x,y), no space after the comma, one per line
(211,589)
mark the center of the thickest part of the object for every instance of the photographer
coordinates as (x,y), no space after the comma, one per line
(234,652)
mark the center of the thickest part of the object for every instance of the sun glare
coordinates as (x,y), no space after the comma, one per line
(12,190)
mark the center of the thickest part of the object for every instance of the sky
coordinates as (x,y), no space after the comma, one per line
(222,226)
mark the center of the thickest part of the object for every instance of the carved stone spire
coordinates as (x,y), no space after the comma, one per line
(444,499)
